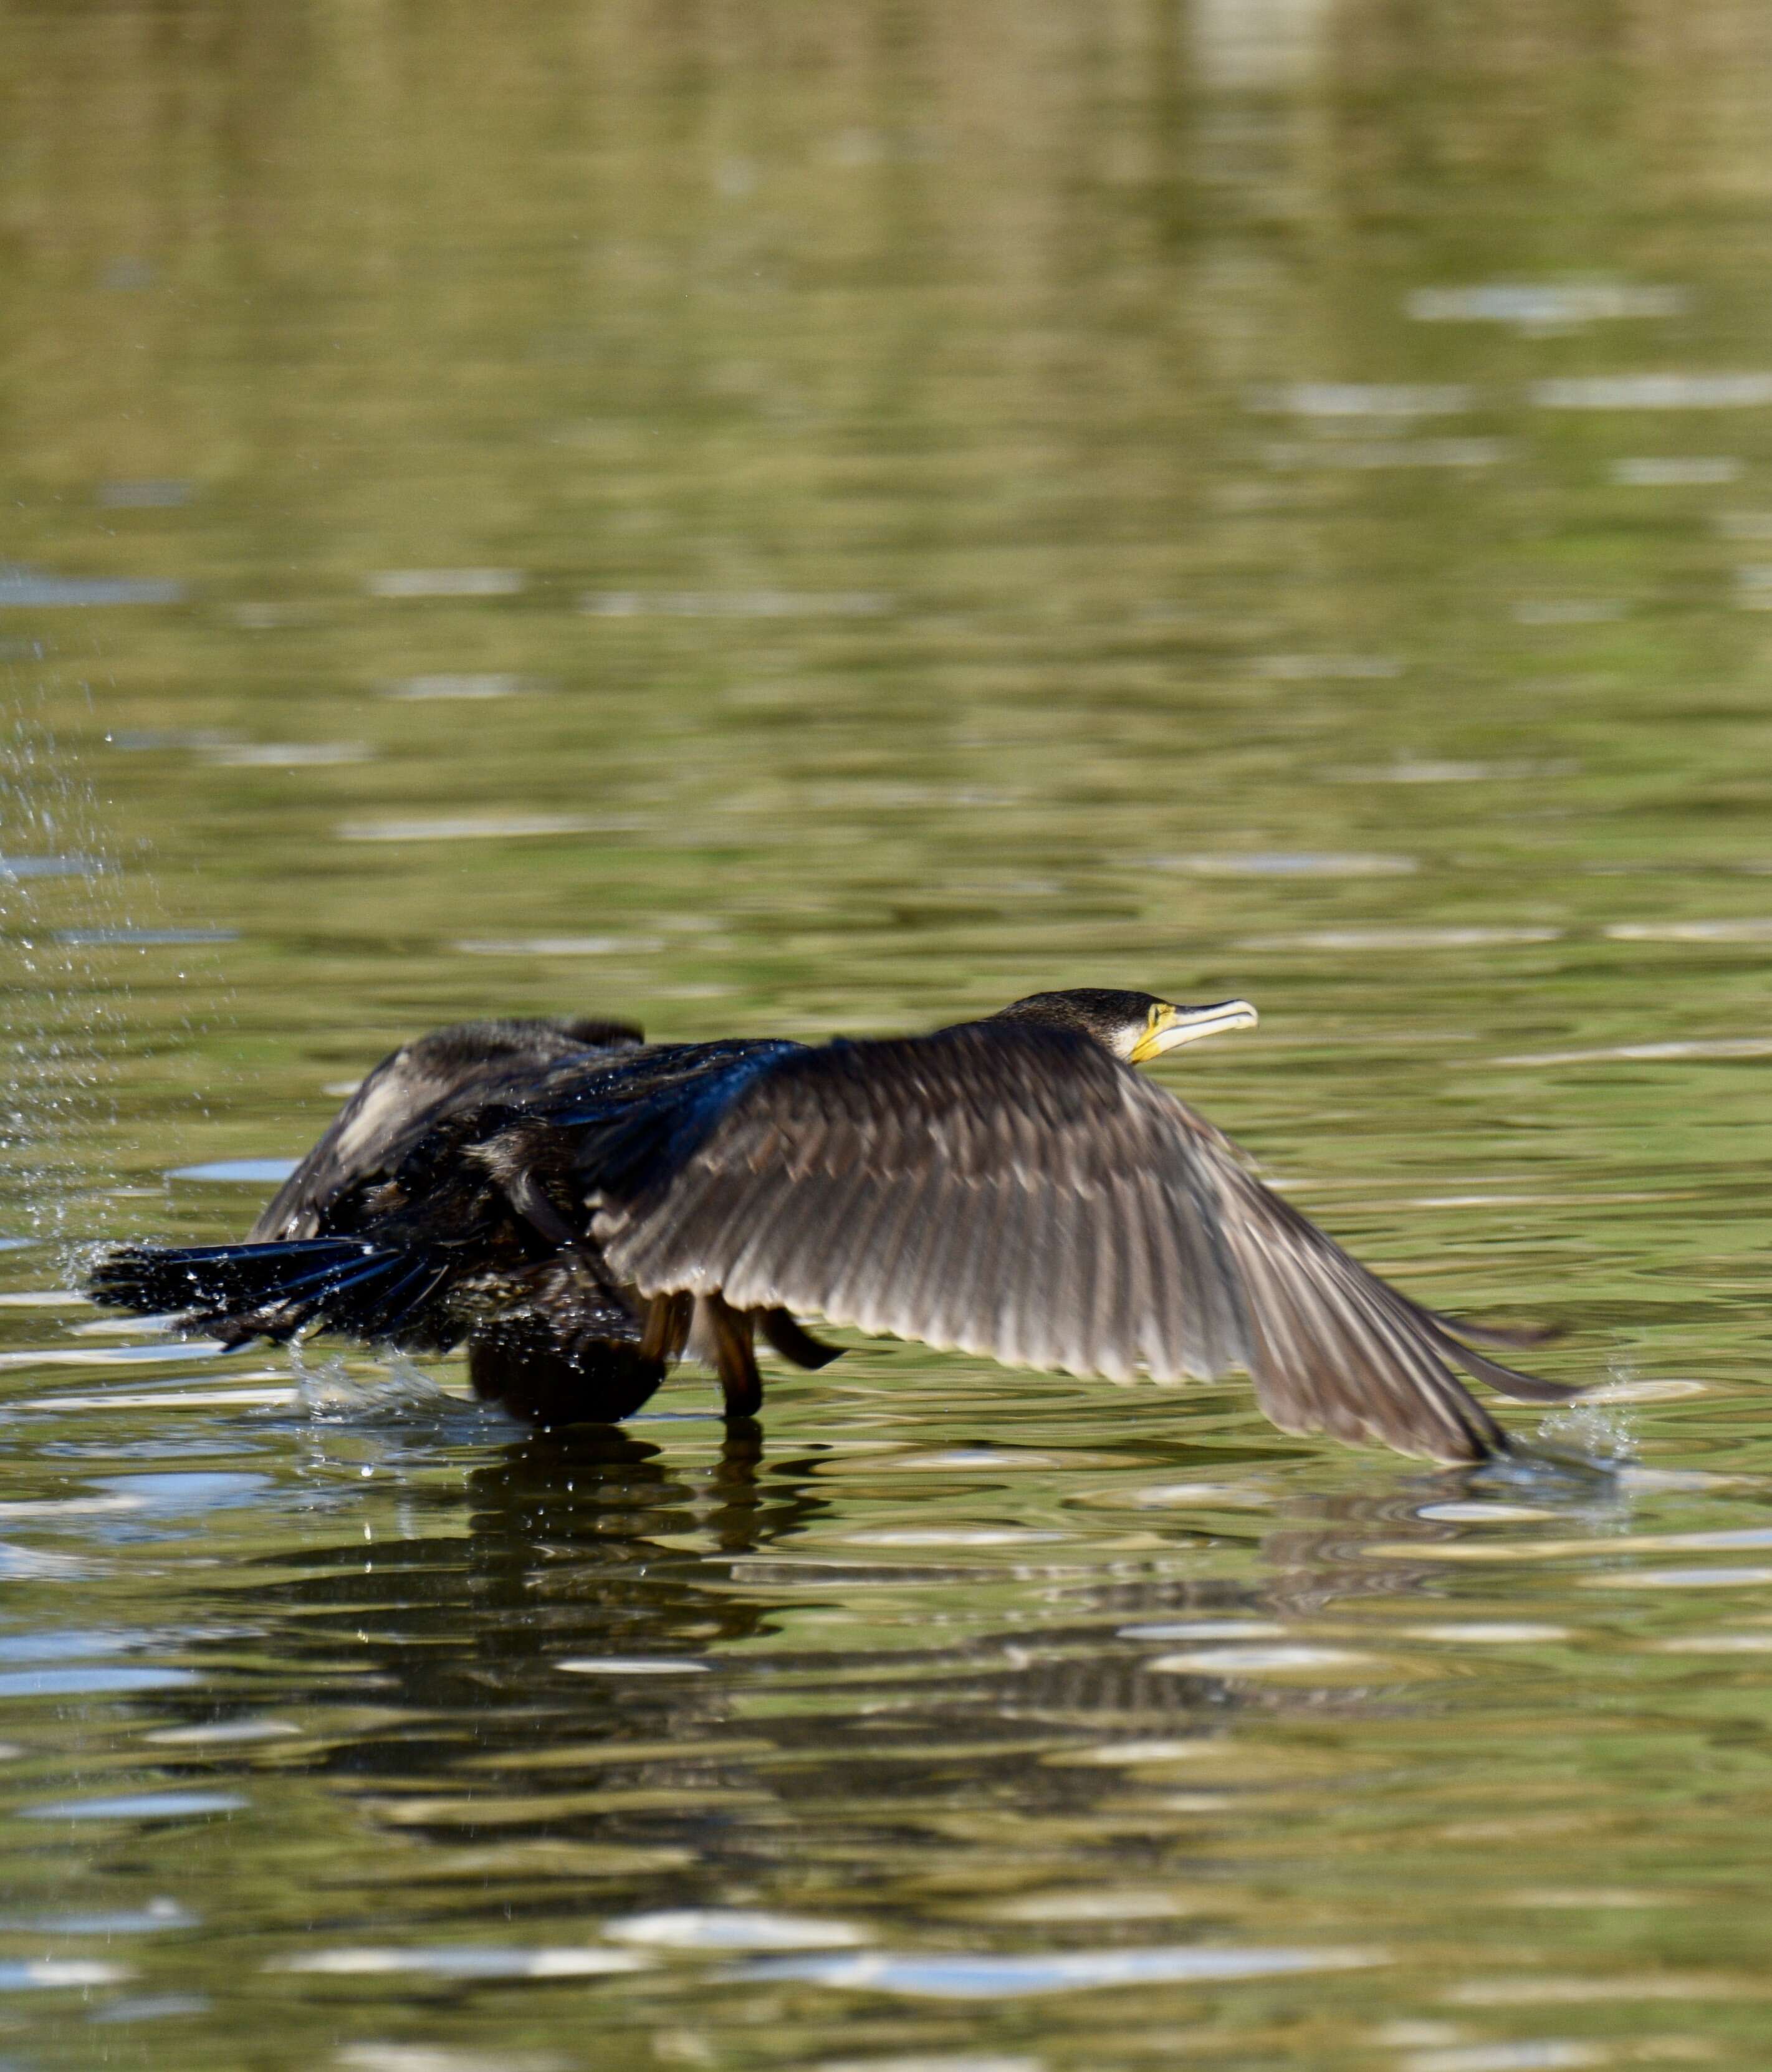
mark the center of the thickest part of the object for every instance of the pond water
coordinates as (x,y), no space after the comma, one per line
(787,521)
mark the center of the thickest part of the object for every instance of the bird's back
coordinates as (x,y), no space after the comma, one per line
(454,1077)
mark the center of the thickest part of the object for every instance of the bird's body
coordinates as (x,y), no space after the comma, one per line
(579,1205)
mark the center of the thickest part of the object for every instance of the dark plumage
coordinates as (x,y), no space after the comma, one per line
(581,1206)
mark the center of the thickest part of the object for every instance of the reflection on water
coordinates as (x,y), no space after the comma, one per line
(969,1760)
(795,523)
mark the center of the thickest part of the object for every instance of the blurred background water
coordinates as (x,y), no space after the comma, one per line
(789,521)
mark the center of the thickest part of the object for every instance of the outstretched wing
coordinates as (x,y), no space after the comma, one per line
(1334,1349)
(474,1064)
(1009,1190)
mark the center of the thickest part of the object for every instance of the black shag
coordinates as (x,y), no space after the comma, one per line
(582,1207)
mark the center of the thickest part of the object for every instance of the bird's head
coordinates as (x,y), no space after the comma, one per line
(1135,1026)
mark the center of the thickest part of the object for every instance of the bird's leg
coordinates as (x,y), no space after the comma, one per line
(723,1335)
(667,1327)
(793,1343)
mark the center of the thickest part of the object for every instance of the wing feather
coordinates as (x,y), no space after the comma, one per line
(977,1268)
(1006,1189)
(867,1250)
(754,1244)
(907,1285)
(1082,1234)
(1002,1316)
(1114,1324)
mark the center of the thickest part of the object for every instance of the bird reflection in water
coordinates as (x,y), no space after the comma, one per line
(715,1752)
(566,1557)
(594,1547)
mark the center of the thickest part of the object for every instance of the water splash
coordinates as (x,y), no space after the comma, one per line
(60,1030)
(337,1391)
(1603,1436)
(68,1026)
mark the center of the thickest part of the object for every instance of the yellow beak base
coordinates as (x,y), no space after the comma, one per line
(1170,1027)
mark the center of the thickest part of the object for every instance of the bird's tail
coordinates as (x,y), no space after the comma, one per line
(236,1292)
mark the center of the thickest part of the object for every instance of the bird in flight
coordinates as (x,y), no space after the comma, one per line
(583,1208)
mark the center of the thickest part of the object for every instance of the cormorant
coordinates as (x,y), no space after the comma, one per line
(582,1206)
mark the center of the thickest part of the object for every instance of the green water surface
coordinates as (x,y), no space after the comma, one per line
(792,519)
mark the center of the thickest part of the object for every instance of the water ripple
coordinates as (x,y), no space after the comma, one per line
(710,1928)
(978,1977)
